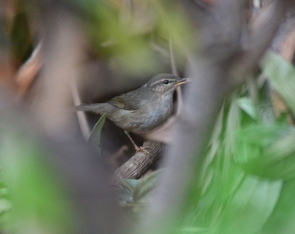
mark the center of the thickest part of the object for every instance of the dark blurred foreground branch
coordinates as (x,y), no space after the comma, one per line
(215,72)
(87,178)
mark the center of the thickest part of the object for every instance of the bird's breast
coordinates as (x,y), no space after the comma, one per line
(150,114)
(155,113)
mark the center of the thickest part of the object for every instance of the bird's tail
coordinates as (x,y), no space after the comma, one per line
(98,108)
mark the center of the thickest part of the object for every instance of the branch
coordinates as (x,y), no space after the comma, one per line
(85,176)
(81,116)
(139,164)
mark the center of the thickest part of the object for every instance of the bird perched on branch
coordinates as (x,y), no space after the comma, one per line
(143,109)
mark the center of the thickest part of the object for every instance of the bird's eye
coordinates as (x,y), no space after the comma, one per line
(166,81)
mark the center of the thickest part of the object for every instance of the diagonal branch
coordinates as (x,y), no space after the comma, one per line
(140,163)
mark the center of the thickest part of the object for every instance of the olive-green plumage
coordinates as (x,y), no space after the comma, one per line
(143,109)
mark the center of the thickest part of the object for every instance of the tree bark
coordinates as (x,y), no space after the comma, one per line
(140,162)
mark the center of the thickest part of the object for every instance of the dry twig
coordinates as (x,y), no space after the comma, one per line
(139,164)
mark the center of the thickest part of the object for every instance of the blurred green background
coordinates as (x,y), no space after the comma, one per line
(247,180)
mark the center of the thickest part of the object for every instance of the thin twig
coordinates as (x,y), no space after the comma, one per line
(84,127)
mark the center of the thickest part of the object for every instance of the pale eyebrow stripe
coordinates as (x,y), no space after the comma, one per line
(160,81)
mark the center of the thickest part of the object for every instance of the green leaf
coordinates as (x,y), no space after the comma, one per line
(195,230)
(135,192)
(145,186)
(247,105)
(236,202)
(96,131)
(261,134)
(281,75)
(250,207)
(5,205)
(130,184)
(125,195)
(282,218)
(37,197)
(267,151)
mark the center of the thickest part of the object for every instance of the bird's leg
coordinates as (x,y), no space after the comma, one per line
(136,147)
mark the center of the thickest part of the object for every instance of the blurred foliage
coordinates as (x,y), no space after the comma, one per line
(135,194)
(131,32)
(248,173)
(247,177)
(133,39)
(35,201)
(5,204)
(247,180)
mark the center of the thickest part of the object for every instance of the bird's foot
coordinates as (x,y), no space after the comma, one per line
(143,149)
(138,149)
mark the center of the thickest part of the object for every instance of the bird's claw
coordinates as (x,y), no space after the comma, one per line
(142,149)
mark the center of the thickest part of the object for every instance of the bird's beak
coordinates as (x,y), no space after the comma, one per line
(183,81)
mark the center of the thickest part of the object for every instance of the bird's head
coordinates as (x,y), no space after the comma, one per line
(165,83)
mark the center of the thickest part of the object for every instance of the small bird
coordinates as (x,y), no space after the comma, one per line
(143,109)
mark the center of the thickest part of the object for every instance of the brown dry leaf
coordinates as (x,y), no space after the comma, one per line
(28,71)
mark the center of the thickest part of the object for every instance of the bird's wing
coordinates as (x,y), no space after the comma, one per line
(124,101)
